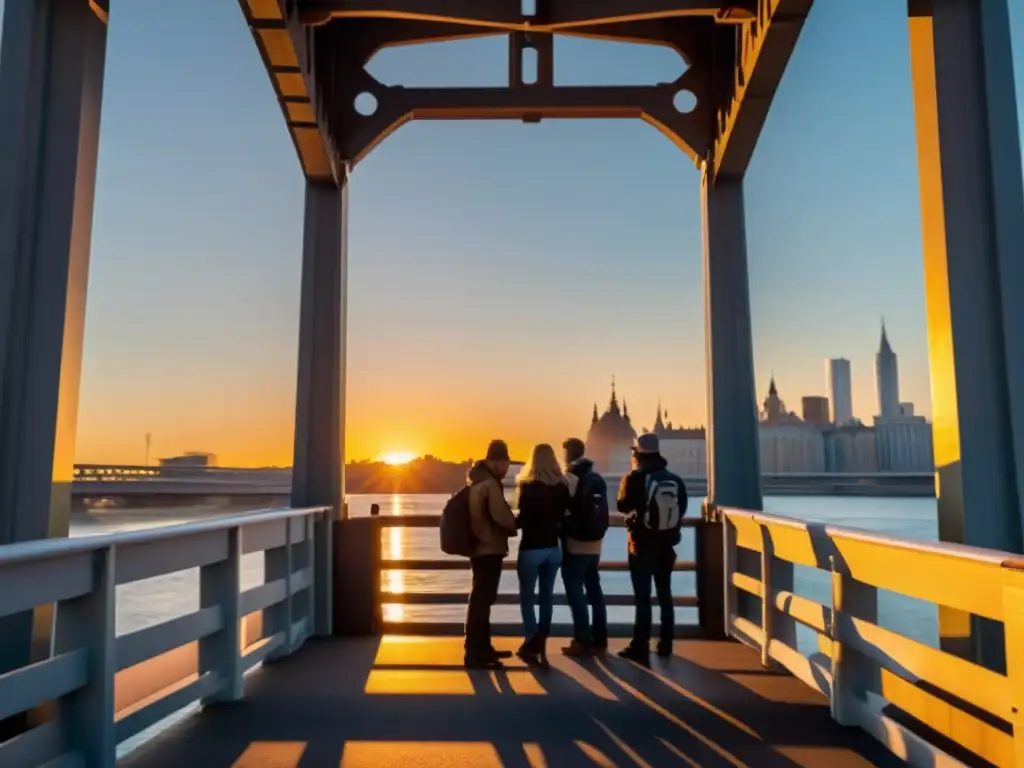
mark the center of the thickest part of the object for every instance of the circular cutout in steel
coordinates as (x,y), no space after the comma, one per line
(684,102)
(366,103)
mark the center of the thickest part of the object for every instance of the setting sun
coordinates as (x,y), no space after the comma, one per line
(397,457)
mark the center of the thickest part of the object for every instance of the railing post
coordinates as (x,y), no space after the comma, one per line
(1013,627)
(776,576)
(852,673)
(323,573)
(278,617)
(309,561)
(87,622)
(728,569)
(357,580)
(767,595)
(221,653)
(709,552)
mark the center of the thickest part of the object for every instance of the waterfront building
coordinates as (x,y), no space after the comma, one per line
(191,460)
(788,443)
(887,379)
(815,410)
(840,389)
(610,437)
(904,444)
(684,448)
(851,448)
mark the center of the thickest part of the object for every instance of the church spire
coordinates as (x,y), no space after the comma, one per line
(625,410)
(594,419)
(772,390)
(613,404)
(659,424)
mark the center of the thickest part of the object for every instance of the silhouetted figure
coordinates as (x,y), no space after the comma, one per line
(542,498)
(493,525)
(584,530)
(654,502)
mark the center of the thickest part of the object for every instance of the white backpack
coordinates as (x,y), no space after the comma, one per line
(663,498)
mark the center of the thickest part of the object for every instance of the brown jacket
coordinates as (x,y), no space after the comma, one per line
(489,514)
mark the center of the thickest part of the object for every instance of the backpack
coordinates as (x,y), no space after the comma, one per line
(590,518)
(456,530)
(666,501)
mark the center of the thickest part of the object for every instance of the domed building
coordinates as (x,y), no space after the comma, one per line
(611,437)
(788,443)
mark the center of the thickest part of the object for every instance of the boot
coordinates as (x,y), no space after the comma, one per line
(541,649)
(528,650)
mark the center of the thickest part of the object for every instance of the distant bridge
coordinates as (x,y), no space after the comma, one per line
(94,482)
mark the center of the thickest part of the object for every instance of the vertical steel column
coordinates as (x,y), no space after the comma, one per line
(734,465)
(972,205)
(51,83)
(319,465)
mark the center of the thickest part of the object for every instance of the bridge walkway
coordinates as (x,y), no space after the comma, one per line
(406,701)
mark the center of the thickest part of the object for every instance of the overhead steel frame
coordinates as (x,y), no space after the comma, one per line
(316,52)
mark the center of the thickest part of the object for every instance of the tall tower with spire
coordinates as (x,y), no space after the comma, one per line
(887,379)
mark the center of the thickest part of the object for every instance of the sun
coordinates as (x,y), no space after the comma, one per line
(397,457)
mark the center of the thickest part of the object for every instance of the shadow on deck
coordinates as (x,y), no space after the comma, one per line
(405,702)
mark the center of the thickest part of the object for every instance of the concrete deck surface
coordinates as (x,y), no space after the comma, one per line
(405,702)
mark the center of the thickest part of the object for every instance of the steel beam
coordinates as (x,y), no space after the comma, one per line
(318,473)
(972,201)
(288,56)
(350,44)
(508,15)
(763,49)
(51,83)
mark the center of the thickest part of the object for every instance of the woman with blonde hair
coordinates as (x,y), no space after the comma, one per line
(542,498)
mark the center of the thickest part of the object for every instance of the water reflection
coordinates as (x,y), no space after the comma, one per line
(395,579)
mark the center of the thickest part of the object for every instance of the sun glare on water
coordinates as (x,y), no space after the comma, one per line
(397,457)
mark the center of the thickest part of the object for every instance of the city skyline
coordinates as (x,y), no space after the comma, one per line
(637,416)
(193,299)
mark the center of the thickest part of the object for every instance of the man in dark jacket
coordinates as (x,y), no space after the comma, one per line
(582,555)
(493,525)
(654,502)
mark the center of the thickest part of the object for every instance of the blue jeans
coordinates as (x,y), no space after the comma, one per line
(580,573)
(537,565)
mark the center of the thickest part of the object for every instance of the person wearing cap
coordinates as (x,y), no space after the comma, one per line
(581,561)
(653,499)
(493,525)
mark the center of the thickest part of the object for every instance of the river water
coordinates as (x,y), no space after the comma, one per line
(155,600)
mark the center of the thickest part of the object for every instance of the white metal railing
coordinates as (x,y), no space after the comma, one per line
(108,688)
(872,675)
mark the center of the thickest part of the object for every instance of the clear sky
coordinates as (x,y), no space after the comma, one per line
(500,273)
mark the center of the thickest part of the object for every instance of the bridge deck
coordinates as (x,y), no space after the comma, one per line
(404,702)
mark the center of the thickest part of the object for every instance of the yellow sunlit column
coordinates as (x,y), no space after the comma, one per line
(972,199)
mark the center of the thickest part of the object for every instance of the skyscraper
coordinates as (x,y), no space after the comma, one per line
(887,378)
(840,389)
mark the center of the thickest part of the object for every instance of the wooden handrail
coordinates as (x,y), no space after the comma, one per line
(869,671)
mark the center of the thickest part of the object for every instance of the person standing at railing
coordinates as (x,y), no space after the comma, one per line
(584,531)
(542,498)
(493,525)
(654,502)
